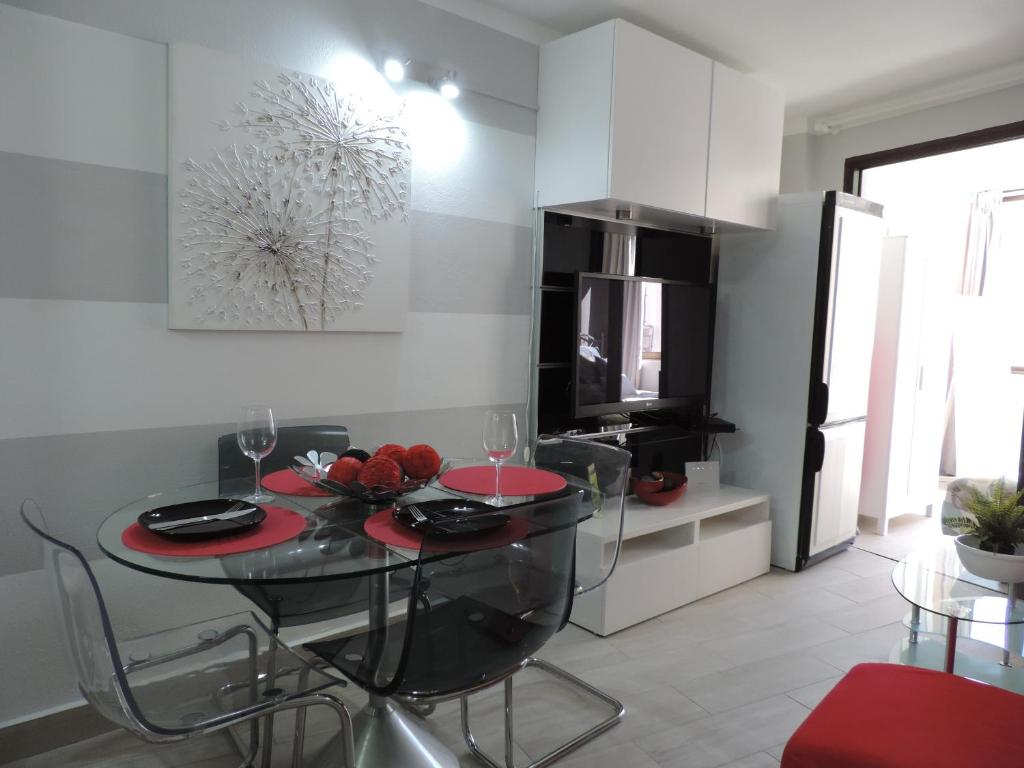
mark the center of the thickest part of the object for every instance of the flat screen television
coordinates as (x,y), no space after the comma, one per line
(642,344)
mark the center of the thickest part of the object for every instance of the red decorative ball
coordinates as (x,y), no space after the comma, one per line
(344,470)
(380,470)
(421,462)
(393,451)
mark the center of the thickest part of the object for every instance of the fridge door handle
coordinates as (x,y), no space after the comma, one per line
(815,449)
(817,407)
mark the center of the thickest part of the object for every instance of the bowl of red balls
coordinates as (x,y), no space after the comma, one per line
(391,471)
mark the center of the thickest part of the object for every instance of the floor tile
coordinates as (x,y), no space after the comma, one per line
(619,756)
(758,760)
(776,751)
(862,590)
(759,680)
(860,617)
(874,645)
(779,582)
(811,694)
(756,645)
(730,736)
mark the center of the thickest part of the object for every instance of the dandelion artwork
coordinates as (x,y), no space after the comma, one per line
(293,221)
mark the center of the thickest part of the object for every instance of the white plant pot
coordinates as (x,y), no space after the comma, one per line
(990,565)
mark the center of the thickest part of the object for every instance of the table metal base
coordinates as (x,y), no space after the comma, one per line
(387,737)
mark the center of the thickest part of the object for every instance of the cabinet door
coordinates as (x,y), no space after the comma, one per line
(661,102)
(837,487)
(745,153)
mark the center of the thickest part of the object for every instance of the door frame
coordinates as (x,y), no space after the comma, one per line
(854,166)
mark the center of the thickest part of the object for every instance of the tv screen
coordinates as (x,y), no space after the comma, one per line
(643,343)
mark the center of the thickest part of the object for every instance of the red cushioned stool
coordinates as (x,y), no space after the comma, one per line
(890,716)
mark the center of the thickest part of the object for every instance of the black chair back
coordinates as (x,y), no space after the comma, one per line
(473,617)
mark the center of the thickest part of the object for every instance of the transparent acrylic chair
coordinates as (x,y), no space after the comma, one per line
(186,681)
(473,618)
(602,471)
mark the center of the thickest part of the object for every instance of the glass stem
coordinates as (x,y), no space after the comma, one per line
(259,490)
(497,482)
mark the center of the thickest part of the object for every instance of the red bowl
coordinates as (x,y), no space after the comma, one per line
(652,491)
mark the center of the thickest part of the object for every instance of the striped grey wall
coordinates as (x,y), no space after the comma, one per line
(79,231)
(76,231)
(469,265)
(83,229)
(269,30)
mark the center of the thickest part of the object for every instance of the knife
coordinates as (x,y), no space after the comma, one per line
(230,514)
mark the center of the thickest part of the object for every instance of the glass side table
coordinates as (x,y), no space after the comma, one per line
(935,582)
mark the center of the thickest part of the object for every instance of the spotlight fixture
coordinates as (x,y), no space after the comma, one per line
(448,88)
(394,70)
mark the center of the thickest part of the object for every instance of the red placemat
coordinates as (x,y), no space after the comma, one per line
(384,528)
(286,482)
(279,526)
(515,481)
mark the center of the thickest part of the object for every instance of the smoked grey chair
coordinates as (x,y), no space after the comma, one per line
(181,682)
(472,620)
(602,471)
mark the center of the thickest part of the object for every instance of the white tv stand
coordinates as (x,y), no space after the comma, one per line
(709,539)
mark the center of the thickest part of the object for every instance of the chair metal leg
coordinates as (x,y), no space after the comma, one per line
(300,724)
(510,757)
(268,723)
(618,710)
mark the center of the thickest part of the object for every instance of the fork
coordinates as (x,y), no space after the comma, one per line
(418,516)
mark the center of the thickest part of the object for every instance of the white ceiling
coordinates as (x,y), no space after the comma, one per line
(827,56)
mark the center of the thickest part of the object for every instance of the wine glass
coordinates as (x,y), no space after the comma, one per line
(257,436)
(501,436)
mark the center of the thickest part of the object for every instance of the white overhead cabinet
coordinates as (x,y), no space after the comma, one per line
(745,149)
(631,120)
(658,137)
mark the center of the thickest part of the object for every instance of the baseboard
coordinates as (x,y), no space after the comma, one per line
(34,737)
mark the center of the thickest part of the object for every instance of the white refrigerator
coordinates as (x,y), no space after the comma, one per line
(793,342)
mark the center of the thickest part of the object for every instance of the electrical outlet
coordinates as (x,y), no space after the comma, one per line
(703,473)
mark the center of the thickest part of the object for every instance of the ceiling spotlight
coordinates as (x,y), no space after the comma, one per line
(448,87)
(394,70)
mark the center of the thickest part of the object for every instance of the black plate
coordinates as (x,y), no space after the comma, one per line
(210,529)
(452,518)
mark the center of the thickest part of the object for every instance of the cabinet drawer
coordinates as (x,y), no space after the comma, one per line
(733,557)
(640,589)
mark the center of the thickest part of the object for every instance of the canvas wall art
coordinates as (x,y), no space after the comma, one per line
(288,198)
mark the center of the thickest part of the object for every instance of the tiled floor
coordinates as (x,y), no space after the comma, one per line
(906,533)
(721,683)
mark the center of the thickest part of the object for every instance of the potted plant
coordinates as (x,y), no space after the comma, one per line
(991,540)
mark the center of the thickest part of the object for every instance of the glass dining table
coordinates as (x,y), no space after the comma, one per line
(333,550)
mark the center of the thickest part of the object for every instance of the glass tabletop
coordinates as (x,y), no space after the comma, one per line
(332,546)
(936,581)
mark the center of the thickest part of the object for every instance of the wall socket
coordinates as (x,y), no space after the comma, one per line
(702,473)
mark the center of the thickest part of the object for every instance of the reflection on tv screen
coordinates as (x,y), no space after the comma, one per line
(640,341)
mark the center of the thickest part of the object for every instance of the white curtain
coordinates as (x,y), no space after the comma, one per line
(619,258)
(977,266)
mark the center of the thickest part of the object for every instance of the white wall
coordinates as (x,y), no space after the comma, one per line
(816,162)
(99,402)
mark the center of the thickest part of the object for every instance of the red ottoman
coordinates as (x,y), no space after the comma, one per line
(890,716)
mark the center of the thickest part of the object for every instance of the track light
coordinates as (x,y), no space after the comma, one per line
(394,70)
(448,87)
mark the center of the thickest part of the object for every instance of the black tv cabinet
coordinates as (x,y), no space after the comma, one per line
(663,439)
